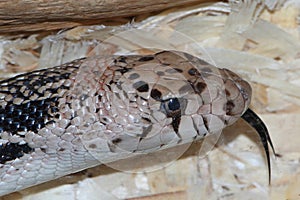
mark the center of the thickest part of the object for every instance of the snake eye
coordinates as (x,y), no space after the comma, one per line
(173,104)
(173,107)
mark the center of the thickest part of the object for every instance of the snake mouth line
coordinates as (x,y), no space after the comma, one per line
(254,121)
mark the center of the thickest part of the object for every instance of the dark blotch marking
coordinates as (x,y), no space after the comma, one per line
(104,120)
(111,82)
(200,87)
(141,86)
(175,124)
(11,151)
(144,99)
(227,92)
(156,94)
(178,70)
(146,58)
(146,119)
(123,70)
(133,76)
(228,107)
(116,140)
(205,123)
(122,59)
(92,146)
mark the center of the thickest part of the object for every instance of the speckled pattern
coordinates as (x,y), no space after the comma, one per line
(96,110)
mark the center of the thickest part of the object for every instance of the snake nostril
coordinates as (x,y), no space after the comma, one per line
(229,106)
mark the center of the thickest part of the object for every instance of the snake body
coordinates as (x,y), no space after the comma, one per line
(91,111)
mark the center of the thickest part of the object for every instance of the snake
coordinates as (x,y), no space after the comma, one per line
(95,110)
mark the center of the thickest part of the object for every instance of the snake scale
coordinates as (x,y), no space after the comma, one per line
(91,111)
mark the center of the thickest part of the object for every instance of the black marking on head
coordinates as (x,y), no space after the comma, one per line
(178,70)
(142,98)
(251,118)
(205,122)
(108,86)
(156,94)
(104,120)
(111,82)
(133,76)
(146,58)
(116,140)
(175,124)
(146,119)
(200,87)
(121,59)
(92,146)
(227,92)
(11,151)
(141,86)
(123,70)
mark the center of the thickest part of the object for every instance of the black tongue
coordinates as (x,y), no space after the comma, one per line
(251,118)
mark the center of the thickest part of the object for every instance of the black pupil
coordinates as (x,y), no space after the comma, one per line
(173,104)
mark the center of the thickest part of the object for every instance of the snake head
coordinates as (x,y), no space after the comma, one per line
(173,97)
(181,93)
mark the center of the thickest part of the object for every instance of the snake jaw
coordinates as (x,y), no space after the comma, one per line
(254,121)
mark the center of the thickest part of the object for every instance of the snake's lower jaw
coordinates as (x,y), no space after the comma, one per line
(254,121)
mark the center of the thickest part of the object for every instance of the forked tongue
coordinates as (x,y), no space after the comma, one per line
(251,118)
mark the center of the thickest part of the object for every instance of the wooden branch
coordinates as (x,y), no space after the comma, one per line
(37,15)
